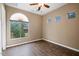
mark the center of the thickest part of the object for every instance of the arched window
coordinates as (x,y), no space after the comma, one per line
(19,25)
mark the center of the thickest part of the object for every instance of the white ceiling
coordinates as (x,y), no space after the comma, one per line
(33,9)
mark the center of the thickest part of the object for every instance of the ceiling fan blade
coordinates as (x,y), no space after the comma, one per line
(47,6)
(34,4)
(39,8)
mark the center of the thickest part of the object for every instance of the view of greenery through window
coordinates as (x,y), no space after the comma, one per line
(18,28)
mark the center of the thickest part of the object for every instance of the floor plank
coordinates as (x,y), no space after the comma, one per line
(39,48)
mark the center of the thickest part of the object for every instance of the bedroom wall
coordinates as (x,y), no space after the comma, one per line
(67,31)
(35,26)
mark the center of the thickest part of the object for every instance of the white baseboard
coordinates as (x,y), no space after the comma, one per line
(23,43)
(74,49)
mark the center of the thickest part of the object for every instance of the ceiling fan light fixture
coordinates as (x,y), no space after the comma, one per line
(40,5)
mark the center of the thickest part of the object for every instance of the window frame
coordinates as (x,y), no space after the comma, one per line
(18,21)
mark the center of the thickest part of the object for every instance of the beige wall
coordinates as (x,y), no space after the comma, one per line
(67,32)
(35,26)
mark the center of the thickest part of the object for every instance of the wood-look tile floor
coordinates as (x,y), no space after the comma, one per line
(39,48)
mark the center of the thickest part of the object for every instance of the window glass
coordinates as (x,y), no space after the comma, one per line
(19,26)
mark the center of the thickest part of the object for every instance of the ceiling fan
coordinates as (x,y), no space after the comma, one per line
(40,5)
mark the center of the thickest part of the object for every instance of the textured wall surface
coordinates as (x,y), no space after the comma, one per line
(35,27)
(67,31)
